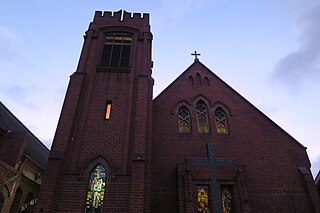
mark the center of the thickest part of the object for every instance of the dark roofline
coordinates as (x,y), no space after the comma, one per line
(259,111)
(317,178)
(23,126)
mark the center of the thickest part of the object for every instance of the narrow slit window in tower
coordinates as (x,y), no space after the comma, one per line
(108,109)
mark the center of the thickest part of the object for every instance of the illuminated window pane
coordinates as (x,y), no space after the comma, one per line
(226,199)
(203,126)
(202,199)
(221,121)
(96,190)
(202,117)
(221,128)
(184,120)
(108,111)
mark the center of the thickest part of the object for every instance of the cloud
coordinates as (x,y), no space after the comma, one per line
(22,95)
(179,8)
(10,43)
(315,168)
(302,67)
(47,142)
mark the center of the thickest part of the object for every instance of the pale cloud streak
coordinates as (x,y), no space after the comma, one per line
(10,44)
(302,67)
(179,8)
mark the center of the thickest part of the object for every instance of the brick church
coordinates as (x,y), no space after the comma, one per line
(199,146)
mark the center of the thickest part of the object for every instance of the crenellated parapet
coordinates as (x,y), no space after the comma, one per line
(121,16)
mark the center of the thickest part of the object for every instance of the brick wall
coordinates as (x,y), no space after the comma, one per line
(84,138)
(271,156)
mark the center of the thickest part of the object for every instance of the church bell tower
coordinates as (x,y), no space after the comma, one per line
(101,153)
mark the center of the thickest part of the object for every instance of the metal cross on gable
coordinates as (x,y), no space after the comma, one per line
(195,54)
(212,163)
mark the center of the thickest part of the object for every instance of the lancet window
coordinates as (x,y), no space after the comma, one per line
(202,117)
(221,121)
(184,120)
(96,190)
(203,199)
(117,50)
(226,199)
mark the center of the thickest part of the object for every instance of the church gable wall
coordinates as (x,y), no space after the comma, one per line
(271,156)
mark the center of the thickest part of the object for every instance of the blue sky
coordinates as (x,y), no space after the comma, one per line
(267,50)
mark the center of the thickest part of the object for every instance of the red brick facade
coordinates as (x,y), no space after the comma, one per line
(154,167)
(22,161)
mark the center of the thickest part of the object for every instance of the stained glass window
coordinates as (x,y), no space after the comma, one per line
(202,199)
(184,120)
(202,117)
(96,190)
(221,121)
(226,199)
(117,50)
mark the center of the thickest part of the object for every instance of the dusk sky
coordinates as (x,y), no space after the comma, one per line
(267,50)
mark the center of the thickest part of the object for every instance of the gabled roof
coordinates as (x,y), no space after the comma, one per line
(317,181)
(197,62)
(34,148)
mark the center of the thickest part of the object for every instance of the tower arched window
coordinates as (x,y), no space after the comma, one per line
(221,121)
(96,190)
(184,120)
(116,50)
(202,117)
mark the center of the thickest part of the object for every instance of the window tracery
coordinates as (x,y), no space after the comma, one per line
(202,117)
(184,120)
(221,121)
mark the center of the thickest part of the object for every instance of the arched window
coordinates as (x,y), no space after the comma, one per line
(191,81)
(198,79)
(202,199)
(96,190)
(184,120)
(226,199)
(202,117)
(206,81)
(221,121)
(117,50)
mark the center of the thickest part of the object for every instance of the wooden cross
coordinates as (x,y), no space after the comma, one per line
(196,55)
(212,163)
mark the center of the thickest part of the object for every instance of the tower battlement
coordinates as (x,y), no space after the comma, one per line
(121,16)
